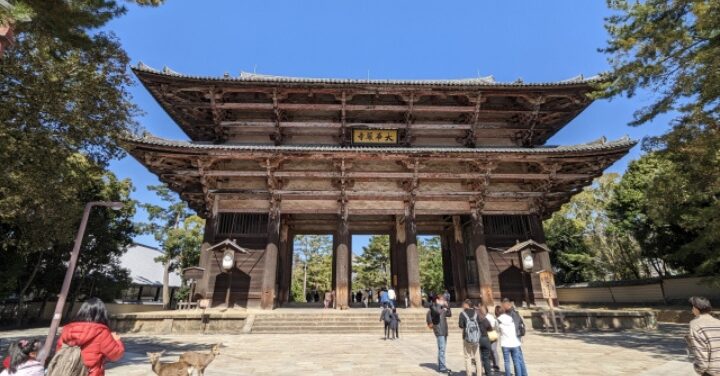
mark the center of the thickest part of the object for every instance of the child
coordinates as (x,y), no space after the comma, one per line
(394,324)
(23,359)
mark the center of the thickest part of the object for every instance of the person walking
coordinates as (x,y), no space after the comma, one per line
(392,297)
(89,330)
(327,300)
(468,322)
(509,309)
(23,359)
(384,299)
(704,338)
(510,343)
(492,319)
(436,319)
(395,324)
(365,297)
(446,296)
(407,298)
(386,318)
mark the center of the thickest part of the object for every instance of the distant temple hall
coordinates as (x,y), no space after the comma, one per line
(272,157)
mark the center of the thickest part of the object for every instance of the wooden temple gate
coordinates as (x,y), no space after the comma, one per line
(271,157)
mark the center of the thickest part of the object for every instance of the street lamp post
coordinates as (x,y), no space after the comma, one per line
(57,316)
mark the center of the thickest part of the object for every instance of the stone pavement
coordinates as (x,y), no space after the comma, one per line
(659,353)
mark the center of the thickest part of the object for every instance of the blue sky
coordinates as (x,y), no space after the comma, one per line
(534,40)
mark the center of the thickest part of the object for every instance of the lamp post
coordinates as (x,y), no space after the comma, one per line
(57,316)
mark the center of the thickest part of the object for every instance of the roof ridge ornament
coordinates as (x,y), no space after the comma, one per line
(167,70)
(145,67)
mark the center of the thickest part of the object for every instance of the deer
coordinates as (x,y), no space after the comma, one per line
(200,361)
(168,369)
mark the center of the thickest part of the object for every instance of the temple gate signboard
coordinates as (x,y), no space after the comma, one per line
(270,157)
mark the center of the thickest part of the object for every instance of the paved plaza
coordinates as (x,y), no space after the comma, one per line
(617,353)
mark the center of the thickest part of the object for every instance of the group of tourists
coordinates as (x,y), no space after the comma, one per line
(84,347)
(482,331)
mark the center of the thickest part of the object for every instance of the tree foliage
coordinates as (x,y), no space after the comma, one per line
(371,269)
(671,50)
(176,229)
(431,266)
(312,265)
(605,251)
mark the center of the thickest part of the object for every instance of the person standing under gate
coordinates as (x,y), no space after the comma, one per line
(392,297)
(328,299)
(475,339)
(437,321)
(384,300)
(704,338)
(386,318)
(395,324)
(510,343)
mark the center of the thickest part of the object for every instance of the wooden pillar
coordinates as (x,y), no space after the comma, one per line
(482,259)
(447,266)
(400,251)
(413,259)
(206,257)
(538,234)
(267,299)
(342,262)
(457,248)
(284,265)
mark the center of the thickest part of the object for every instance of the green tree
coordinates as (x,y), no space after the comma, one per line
(572,259)
(171,227)
(372,267)
(312,265)
(671,51)
(431,267)
(614,251)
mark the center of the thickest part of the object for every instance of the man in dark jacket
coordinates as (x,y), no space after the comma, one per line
(437,320)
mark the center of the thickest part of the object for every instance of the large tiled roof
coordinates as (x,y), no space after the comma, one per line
(487,81)
(599,145)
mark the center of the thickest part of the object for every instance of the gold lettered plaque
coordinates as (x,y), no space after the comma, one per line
(367,136)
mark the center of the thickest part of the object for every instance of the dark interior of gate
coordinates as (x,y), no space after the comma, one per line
(458,251)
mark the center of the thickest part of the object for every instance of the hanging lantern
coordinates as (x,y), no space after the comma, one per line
(228,260)
(527,261)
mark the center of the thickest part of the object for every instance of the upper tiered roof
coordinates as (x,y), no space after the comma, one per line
(277,110)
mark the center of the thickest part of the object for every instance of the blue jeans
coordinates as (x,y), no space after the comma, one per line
(517,358)
(441,343)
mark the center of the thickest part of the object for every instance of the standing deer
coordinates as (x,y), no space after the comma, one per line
(200,361)
(168,369)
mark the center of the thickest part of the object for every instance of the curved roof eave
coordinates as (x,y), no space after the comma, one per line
(480,82)
(151,142)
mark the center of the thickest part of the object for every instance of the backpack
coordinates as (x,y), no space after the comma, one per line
(519,323)
(472,329)
(67,362)
(387,315)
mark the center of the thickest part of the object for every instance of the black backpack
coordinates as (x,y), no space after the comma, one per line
(519,323)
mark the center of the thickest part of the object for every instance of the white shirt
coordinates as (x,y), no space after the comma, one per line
(29,368)
(492,320)
(506,327)
(391,294)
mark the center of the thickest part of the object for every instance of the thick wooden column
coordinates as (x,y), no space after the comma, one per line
(284,265)
(482,259)
(538,234)
(400,257)
(342,262)
(457,248)
(413,259)
(267,299)
(202,287)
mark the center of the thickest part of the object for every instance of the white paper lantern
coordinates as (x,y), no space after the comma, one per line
(528,262)
(228,260)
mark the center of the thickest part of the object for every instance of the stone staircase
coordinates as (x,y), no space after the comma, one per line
(353,321)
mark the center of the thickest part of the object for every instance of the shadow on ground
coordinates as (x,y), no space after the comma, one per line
(666,343)
(138,347)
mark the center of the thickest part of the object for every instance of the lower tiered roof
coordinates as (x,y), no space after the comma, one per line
(375,180)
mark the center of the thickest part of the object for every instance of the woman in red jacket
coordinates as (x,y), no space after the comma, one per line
(89,330)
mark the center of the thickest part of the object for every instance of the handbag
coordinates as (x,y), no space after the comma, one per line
(492,335)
